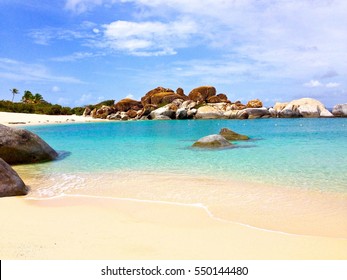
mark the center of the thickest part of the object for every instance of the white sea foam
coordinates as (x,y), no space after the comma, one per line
(56,186)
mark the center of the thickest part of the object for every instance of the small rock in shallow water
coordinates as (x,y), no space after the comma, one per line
(231,135)
(212,141)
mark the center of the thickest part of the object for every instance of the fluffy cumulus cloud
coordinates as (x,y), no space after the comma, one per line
(287,35)
(148,37)
(266,40)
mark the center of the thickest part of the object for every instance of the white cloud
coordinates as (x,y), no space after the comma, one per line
(149,38)
(81,6)
(73,57)
(316,83)
(293,38)
(313,84)
(21,71)
(46,35)
(332,85)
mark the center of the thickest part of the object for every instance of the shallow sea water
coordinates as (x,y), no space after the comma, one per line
(296,167)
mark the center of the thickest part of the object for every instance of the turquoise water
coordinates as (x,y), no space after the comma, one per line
(296,153)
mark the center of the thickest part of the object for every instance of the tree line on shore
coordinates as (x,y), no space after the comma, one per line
(35,104)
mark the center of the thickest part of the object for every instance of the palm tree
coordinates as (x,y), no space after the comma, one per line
(28,97)
(14,92)
(38,98)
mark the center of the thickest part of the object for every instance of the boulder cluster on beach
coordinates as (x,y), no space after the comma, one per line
(204,103)
(19,146)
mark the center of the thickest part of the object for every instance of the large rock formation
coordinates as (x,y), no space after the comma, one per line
(340,110)
(19,146)
(146,99)
(309,111)
(212,141)
(162,96)
(256,103)
(201,94)
(304,107)
(208,112)
(132,113)
(127,104)
(103,112)
(204,103)
(231,135)
(279,106)
(164,113)
(255,113)
(86,112)
(10,183)
(238,106)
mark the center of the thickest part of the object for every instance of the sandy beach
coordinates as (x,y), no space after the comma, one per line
(94,228)
(20,119)
(86,227)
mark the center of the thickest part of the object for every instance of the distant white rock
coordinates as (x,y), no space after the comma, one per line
(164,113)
(208,112)
(304,107)
(340,110)
(309,111)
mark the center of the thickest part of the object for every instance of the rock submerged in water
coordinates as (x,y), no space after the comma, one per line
(231,135)
(212,141)
(20,146)
(10,183)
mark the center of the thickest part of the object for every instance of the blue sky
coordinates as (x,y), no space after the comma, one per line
(77,52)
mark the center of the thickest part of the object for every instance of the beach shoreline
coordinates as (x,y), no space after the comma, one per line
(263,206)
(24,119)
(73,227)
(138,222)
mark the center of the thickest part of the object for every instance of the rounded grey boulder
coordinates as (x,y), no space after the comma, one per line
(10,183)
(19,146)
(212,141)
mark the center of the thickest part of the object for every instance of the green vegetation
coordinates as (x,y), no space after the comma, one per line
(14,91)
(97,106)
(35,104)
(41,108)
(30,98)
